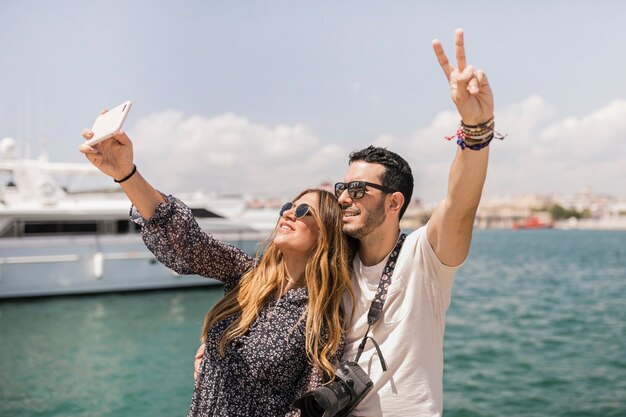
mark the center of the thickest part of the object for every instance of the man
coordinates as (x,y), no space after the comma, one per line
(411,326)
(410,330)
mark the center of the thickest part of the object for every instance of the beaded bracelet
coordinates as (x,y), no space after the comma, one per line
(488,124)
(476,137)
(475,147)
(478,132)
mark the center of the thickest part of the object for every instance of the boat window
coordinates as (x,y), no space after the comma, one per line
(204,213)
(127,226)
(41,228)
(37,228)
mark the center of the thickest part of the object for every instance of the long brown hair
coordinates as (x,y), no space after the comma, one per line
(327,278)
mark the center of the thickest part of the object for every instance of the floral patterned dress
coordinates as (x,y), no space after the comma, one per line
(263,371)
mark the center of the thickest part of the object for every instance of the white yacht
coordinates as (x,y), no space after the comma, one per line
(55,242)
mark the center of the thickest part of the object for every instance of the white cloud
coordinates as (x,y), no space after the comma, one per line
(231,154)
(597,135)
(543,152)
(551,154)
(564,155)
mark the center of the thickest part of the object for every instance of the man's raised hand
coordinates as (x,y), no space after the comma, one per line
(469,87)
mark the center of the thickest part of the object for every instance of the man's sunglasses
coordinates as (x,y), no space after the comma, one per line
(301,209)
(356,189)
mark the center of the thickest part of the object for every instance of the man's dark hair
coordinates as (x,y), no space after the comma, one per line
(397,175)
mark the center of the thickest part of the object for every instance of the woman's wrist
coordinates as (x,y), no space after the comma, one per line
(127,176)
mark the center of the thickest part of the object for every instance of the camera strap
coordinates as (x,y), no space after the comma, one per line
(376,307)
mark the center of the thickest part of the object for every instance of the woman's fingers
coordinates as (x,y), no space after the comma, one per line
(94,158)
(87,134)
(122,138)
(86,149)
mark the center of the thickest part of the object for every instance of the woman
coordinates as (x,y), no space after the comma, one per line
(278,331)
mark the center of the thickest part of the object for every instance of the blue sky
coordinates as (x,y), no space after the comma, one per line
(270,97)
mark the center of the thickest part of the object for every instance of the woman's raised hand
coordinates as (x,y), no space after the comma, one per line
(469,87)
(114,156)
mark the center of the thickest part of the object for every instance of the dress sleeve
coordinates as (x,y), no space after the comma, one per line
(175,238)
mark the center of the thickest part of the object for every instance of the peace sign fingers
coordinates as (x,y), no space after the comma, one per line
(459,48)
(469,87)
(442,59)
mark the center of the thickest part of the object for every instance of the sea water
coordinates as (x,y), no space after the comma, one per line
(537,327)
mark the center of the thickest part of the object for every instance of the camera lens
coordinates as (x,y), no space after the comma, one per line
(325,401)
(350,385)
(310,407)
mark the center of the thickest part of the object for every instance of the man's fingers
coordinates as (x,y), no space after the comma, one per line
(442,58)
(87,134)
(472,86)
(200,351)
(197,361)
(459,47)
(482,78)
(464,78)
(196,367)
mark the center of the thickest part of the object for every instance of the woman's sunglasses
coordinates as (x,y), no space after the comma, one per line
(356,189)
(301,209)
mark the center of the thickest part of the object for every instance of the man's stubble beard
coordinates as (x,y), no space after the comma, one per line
(369,222)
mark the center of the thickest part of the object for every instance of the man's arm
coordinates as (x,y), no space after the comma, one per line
(450,227)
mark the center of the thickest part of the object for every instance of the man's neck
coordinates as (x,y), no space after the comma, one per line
(374,247)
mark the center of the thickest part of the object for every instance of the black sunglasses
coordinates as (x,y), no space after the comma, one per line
(301,209)
(356,189)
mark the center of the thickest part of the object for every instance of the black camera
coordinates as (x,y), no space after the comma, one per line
(339,397)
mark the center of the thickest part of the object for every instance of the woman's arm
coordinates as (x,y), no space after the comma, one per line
(114,157)
(176,239)
(169,229)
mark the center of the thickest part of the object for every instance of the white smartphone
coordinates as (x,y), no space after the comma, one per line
(109,123)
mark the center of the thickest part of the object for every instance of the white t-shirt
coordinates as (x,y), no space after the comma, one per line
(409,332)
